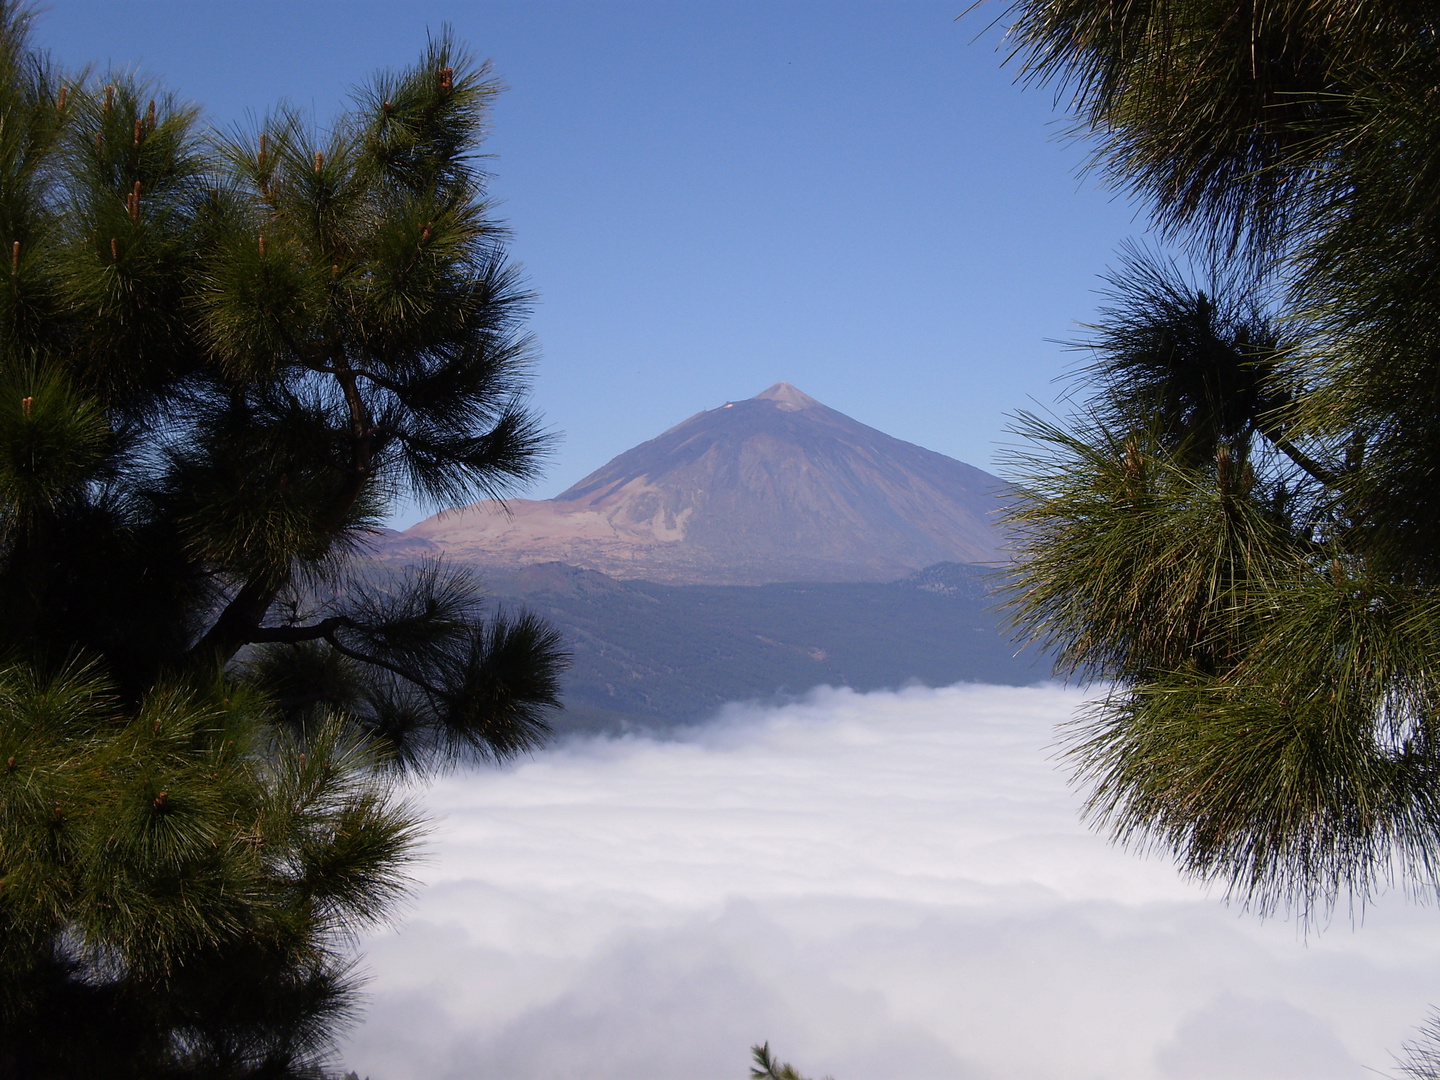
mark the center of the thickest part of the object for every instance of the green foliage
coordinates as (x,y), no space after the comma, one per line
(766,1067)
(411,659)
(1238,530)
(171,869)
(1249,123)
(221,359)
(52,440)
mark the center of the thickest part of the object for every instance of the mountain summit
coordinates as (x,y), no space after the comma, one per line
(774,488)
(788,398)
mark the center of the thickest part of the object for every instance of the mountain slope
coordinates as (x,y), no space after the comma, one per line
(775,488)
(651,656)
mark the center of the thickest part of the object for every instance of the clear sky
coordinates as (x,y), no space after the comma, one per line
(708,199)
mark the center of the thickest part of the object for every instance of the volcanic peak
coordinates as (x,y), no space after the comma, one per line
(777,487)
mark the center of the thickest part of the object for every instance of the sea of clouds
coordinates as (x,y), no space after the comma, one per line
(886,886)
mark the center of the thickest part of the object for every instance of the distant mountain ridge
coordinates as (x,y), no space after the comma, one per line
(771,489)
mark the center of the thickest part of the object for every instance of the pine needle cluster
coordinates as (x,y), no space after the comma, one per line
(1238,530)
(222,357)
(765,1066)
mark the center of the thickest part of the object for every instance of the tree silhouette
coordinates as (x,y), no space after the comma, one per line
(221,361)
(1239,529)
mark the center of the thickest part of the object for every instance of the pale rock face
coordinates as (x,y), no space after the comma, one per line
(775,488)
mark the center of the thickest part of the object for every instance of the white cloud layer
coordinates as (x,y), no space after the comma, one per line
(886,886)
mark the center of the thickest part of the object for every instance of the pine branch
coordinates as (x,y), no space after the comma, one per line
(395,669)
(240,619)
(291,635)
(1319,472)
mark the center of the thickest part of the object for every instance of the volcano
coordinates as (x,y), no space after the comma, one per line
(776,488)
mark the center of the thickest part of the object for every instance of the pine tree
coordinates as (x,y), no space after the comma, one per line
(222,358)
(1239,529)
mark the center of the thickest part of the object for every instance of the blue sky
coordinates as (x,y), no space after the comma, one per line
(708,199)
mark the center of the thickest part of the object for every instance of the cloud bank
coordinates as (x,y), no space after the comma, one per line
(884,886)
